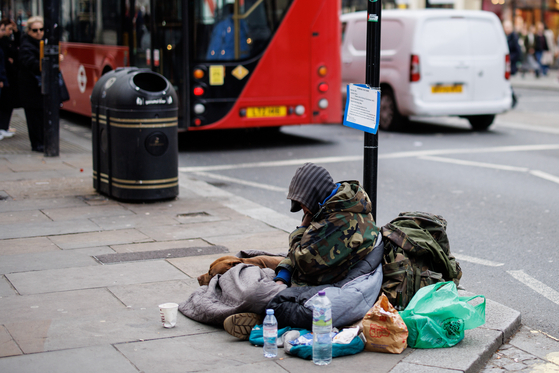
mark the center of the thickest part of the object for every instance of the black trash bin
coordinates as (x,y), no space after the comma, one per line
(134,116)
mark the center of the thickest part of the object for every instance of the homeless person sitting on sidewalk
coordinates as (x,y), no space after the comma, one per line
(337,245)
(337,231)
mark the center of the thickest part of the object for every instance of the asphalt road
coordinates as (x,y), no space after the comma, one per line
(498,190)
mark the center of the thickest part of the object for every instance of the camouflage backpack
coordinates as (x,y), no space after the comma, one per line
(416,254)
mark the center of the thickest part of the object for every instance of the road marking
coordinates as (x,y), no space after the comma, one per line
(240,181)
(471,259)
(356,158)
(476,164)
(535,285)
(528,127)
(496,149)
(430,155)
(545,175)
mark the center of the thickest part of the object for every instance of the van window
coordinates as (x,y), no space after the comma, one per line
(344,26)
(360,35)
(391,34)
(485,37)
(445,37)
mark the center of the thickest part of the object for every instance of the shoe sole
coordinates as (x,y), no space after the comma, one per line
(240,325)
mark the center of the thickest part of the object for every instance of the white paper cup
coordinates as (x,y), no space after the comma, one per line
(168,313)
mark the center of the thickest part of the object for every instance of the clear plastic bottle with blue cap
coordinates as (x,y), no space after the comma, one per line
(321,328)
(270,331)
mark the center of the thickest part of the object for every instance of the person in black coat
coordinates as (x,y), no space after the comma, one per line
(515,52)
(29,75)
(10,94)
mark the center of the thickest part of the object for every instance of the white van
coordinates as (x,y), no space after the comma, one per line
(434,62)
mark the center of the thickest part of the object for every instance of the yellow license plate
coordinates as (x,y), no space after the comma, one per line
(266,111)
(441,88)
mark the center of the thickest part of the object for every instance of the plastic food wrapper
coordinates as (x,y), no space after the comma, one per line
(384,329)
(346,336)
(304,340)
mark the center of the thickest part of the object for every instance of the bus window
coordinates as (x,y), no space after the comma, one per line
(90,21)
(229,30)
(168,40)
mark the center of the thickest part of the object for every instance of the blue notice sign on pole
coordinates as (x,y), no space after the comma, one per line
(362,108)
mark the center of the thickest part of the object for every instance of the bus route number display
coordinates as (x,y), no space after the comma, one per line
(362,108)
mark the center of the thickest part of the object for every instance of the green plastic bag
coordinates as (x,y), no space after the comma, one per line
(437,316)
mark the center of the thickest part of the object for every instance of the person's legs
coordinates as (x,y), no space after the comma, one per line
(538,55)
(5,117)
(34,118)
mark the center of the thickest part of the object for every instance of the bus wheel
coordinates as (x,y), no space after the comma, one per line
(480,122)
(390,118)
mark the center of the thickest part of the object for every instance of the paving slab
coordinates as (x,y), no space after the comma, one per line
(8,347)
(50,228)
(17,217)
(274,242)
(184,203)
(55,280)
(39,203)
(131,220)
(33,166)
(160,254)
(6,289)
(52,260)
(151,246)
(118,326)
(84,360)
(205,352)
(150,295)
(205,230)
(407,368)
(216,352)
(537,343)
(26,246)
(67,304)
(47,188)
(87,212)
(105,238)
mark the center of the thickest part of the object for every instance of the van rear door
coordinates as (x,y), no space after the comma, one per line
(445,60)
(488,54)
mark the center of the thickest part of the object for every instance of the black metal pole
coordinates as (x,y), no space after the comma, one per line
(50,79)
(370,162)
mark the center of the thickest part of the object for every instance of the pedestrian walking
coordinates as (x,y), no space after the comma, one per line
(10,95)
(541,47)
(29,78)
(515,52)
(529,62)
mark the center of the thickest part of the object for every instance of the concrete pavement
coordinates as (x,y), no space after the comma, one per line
(63,310)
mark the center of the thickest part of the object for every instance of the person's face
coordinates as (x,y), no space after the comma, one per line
(36,30)
(306,210)
(9,30)
(2,31)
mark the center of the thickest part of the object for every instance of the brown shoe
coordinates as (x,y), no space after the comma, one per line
(240,325)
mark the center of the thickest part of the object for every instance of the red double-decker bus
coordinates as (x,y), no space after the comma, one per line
(233,63)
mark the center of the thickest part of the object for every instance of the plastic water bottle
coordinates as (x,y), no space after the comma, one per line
(321,328)
(270,334)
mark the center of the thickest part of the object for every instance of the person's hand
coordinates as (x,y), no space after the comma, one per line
(280,282)
(307,220)
(1,84)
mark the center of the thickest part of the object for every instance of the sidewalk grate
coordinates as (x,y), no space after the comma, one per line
(160,254)
(19,143)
